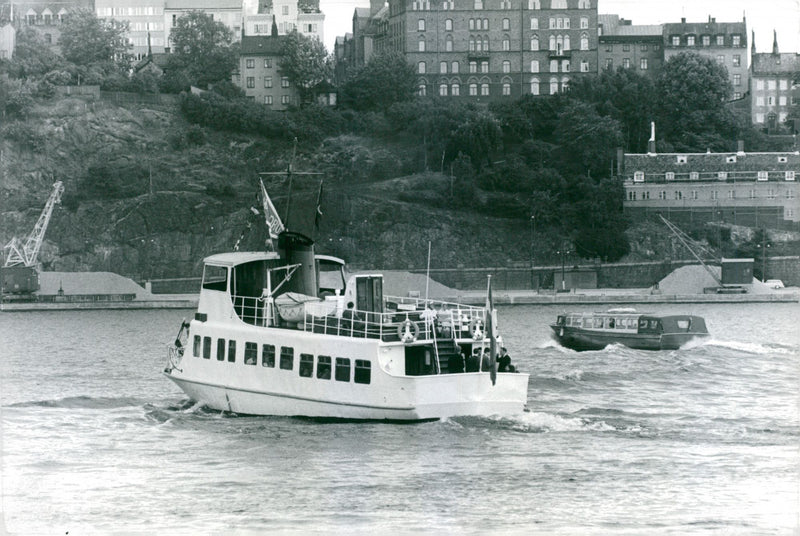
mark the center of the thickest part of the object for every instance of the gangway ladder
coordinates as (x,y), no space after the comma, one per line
(686,240)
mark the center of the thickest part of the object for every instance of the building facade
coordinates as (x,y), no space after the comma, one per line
(7,41)
(43,17)
(228,12)
(622,44)
(724,42)
(259,75)
(774,87)
(753,189)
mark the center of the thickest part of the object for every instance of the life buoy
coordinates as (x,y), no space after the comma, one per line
(408,331)
(476,329)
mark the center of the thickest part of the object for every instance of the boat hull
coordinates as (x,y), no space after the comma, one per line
(450,395)
(581,340)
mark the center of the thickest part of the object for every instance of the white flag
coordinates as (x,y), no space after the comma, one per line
(271,215)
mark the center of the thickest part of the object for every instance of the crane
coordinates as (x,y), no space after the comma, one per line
(26,254)
(19,274)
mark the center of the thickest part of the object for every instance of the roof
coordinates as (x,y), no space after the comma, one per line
(261,45)
(710,28)
(203,5)
(239,257)
(775,63)
(711,162)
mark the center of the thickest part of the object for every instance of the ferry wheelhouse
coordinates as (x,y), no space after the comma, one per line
(594,331)
(273,335)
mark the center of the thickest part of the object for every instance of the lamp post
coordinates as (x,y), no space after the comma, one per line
(533,238)
(764,247)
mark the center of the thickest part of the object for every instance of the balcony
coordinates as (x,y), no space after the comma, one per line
(559,54)
(478,55)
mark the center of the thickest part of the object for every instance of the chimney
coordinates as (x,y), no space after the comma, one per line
(651,143)
(775,42)
(683,20)
(740,151)
(620,161)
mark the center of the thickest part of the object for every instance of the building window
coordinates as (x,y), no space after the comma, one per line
(342,369)
(669,175)
(759,101)
(534,23)
(448,43)
(643,48)
(268,63)
(422,89)
(473,66)
(534,43)
(763,175)
(484,66)
(484,89)
(268,82)
(506,24)
(251,82)
(584,41)
(694,194)
(737,80)
(626,47)
(638,176)
(790,175)
(737,60)
(421,25)
(609,64)
(478,4)
(534,86)
(678,195)
(534,66)
(448,25)
(643,64)
(737,95)
(714,194)
(680,159)
(455,89)
(584,66)
(506,66)
(506,88)
(421,67)
(694,175)
(250,63)
(553,66)
(706,40)
(772,85)
(722,175)
(690,40)
(442,66)
(565,66)
(731,194)
(631,196)
(473,89)
(324,367)
(443,89)
(506,43)
(721,59)
(720,40)
(662,194)
(784,85)
(454,67)
(553,86)
(196,347)
(268,355)
(421,44)
(287,358)
(626,63)
(736,40)
(782,100)
(676,40)
(584,23)
(534,4)
(284,81)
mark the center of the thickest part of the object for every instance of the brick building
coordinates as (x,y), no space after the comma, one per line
(258,73)
(753,189)
(623,44)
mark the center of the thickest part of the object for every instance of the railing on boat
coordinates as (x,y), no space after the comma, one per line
(452,320)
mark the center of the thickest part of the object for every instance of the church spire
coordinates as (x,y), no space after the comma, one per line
(774,42)
(274,27)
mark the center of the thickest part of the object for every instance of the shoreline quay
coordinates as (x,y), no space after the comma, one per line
(471,297)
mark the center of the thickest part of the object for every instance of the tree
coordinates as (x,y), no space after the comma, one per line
(87,40)
(32,56)
(692,93)
(305,63)
(478,137)
(588,140)
(202,50)
(385,80)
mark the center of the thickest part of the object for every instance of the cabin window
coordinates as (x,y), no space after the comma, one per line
(196,350)
(306,365)
(598,322)
(363,371)
(621,323)
(287,357)
(220,349)
(215,278)
(683,324)
(268,355)
(632,323)
(642,324)
(250,353)
(324,367)
(342,369)
(206,347)
(654,324)
(232,351)
(610,323)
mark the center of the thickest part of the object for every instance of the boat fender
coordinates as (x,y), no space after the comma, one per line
(476,328)
(408,331)
(561,333)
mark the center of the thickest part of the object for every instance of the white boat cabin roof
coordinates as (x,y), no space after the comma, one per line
(234,258)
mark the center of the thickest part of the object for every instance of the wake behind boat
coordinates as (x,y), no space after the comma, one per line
(594,331)
(290,333)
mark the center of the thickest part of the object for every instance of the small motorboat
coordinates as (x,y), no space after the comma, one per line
(642,331)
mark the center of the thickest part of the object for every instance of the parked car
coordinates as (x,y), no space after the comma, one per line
(774,283)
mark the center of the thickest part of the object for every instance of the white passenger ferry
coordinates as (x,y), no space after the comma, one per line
(273,335)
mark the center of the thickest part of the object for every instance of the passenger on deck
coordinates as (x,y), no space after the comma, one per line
(474,360)
(486,362)
(455,363)
(350,318)
(504,361)
(429,316)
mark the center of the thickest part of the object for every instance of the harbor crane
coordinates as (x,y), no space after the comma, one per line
(19,274)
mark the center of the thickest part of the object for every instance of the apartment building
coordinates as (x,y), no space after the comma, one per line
(259,75)
(43,17)
(774,87)
(288,15)
(623,44)
(724,42)
(228,12)
(753,189)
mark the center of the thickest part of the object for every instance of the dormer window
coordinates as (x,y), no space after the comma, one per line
(694,175)
(730,159)
(638,176)
(763,175)
(669,175)
(722,175)
(681,159)
(782,159)
(790,175)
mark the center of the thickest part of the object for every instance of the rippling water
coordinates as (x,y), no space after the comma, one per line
(702,440)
